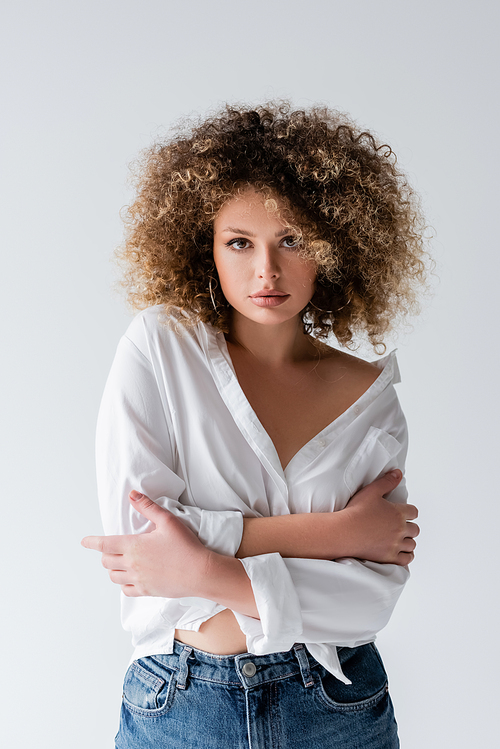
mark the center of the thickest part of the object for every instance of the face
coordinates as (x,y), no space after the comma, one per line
(260,271)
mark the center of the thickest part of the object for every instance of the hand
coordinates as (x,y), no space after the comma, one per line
(381,530)
(169,561)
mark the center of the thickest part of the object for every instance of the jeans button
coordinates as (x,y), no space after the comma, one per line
(249,669)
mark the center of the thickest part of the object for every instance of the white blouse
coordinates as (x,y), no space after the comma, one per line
(175,425)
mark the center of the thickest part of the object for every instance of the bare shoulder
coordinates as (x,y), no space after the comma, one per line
(339,365)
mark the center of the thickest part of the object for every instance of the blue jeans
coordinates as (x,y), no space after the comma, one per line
(196,700)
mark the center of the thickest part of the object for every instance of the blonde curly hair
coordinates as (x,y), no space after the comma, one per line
(358,218)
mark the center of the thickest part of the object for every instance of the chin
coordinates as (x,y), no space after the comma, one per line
(267,316)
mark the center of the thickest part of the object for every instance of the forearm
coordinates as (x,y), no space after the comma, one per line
(369,527)
(172,562)
(226,582)
(315,535)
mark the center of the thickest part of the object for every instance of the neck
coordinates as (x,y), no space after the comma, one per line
(273,345)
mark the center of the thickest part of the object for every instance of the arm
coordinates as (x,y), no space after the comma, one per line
(139,564)
(303,600)
(135,450)
(171,562)
(370,527)
(276,602)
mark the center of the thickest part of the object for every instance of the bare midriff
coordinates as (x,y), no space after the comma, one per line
(220,635)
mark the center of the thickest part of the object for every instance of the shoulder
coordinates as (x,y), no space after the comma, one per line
(361,374)
(148,322)
(153,328)
(169,348)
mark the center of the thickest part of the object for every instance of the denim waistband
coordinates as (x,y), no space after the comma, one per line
(246,670)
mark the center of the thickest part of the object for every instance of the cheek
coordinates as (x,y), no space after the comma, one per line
(231,274)
(307,274)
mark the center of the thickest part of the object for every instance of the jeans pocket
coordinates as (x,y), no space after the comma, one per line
(364,667)
(147,690)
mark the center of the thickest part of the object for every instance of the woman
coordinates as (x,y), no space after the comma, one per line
(230,432)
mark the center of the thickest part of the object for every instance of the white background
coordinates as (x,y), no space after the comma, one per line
(86,86)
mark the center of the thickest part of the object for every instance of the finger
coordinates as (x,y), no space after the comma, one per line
(130,591)
(412,530)
(408,544)
(405,557)
(120,577)
(113,561)
(105,544)
(387,482)
(147,507)
(411,512)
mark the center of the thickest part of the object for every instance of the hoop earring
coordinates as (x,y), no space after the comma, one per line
(313,305)
(210,291)
(324,311)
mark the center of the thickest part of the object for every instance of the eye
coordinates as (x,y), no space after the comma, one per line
(238,244)
(291,242)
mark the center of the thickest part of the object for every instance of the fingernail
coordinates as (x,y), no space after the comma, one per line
(396,474)
(135,496)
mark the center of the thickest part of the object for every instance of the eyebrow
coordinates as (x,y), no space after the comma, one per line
(235,230)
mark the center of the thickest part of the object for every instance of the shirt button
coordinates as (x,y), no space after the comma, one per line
(357,410)
(321,443)
(249,669)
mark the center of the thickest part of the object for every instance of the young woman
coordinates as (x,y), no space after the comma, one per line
(250,473)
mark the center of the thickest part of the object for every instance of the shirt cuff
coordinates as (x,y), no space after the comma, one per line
(221,531)
(279,625)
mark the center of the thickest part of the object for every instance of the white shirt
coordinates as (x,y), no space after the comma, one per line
(175,425)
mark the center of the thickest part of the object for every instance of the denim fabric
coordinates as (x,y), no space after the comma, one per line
(196,700)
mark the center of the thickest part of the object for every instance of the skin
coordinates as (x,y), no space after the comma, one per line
(296,387)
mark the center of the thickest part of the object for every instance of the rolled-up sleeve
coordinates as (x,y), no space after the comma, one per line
(345,603)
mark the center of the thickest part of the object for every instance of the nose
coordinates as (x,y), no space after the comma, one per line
(267,265)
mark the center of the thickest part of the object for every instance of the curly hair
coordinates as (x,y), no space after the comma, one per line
(357,216)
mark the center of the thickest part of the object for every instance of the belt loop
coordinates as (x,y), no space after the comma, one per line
(183,668)
(305,669)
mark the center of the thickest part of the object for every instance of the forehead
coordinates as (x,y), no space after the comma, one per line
(250,205)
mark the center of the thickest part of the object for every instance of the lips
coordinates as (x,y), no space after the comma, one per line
(268,293)
(269,298)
